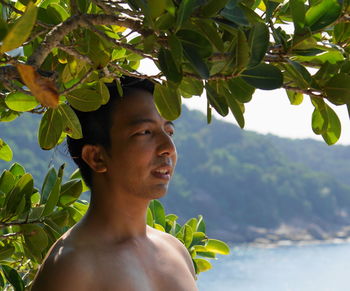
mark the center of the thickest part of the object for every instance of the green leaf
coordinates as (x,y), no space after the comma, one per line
(6,251)
(77,175)
(196,62)
(196,41)
(35,237)
(234,106)
(168,66)
(5,151)
(50,129)
(84,99)
(3,29)
(53,196)
(338,89)
(13,277)
(295,98)
(184,12)
(192,222)
(333,132)
(102,89)
(212,7)
(201,224)
(175,48)
(49,182)
(240,52)
(70,192)
(7,181)
(235,14)
(208,112)
(149,219)
(17,170)
(217,246)
(168,101)
(199,238)
(201,265)
(264,76)
(24,187)
(190,87)
(322,14)
(258,43)
(240,89)
(298,10)
(157,212)
(71,124)
(208,29)
(19,101)
(21,30)
(319,119)
(209,255)
(297,74)
(188,235)
(216,100)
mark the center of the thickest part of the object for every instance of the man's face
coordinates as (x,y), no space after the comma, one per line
(142,155)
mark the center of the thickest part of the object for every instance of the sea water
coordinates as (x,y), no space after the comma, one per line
(322,267)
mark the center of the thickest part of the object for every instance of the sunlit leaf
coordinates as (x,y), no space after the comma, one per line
(168,101)
(322,14)
(21,30)
(19,101)
(50,129)
(84,99)
(5,151)
(217,246)
(71,124)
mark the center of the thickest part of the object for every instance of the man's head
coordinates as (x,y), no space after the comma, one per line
(127,141)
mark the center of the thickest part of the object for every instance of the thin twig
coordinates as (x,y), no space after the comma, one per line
(12,234)
(310,92)
(135,73)
(11,223)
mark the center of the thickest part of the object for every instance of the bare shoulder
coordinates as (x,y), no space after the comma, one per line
(64,269)
(178,246)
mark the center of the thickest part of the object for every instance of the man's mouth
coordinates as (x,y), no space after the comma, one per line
(163,172)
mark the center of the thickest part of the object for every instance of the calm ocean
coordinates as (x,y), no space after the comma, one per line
(323,267)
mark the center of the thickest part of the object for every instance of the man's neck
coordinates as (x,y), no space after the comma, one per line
(116,217)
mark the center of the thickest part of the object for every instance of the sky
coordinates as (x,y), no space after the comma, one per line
(271,112)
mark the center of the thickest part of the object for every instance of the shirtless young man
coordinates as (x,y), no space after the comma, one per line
(127,157)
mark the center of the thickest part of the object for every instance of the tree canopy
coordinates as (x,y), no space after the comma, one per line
(56,53)
(63,51)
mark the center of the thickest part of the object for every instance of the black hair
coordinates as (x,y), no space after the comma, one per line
(96,125)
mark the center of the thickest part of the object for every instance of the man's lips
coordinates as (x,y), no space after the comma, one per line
(162,172)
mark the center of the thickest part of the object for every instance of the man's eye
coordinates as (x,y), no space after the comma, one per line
(144,132)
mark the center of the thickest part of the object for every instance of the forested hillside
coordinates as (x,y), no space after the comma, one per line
(237,179)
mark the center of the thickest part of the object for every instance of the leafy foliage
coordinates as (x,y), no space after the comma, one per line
(67,50)
(32,219)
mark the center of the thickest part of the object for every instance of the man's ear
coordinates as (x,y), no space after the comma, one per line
(93,156)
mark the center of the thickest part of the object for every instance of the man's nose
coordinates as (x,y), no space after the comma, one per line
(166,145)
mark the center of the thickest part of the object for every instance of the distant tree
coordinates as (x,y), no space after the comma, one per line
(55,52)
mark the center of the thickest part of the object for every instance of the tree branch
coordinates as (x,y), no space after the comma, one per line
(55,36)
(310,92)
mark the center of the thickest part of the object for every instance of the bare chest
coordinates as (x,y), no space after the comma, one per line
(149,271)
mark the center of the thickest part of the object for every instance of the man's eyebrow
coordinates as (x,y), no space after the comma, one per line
(138,121)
